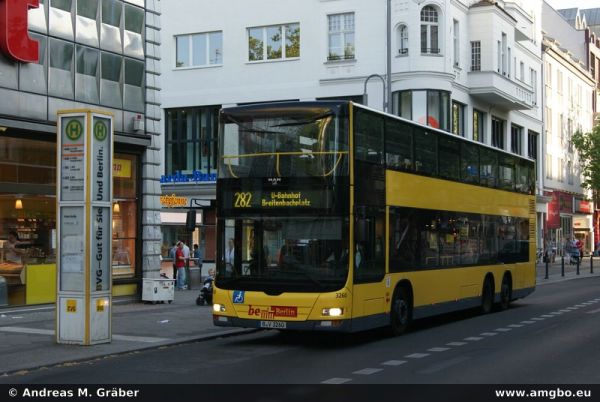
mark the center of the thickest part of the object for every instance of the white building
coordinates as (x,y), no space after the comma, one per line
(472,68)
(569,91)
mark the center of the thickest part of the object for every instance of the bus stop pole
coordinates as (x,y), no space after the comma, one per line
(562,265)
(546,277)
(592,263)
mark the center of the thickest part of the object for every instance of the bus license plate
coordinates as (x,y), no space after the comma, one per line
(272,324)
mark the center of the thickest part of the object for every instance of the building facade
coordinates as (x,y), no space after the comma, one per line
(472,68)
(569,106)
(94,54)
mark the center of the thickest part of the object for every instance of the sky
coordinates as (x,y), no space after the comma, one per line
(560,4)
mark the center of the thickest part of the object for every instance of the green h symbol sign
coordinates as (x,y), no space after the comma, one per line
(74,130)
(100,131)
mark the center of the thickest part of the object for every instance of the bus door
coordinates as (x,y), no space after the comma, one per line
(369,296)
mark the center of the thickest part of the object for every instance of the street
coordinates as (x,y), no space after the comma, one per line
(550,337)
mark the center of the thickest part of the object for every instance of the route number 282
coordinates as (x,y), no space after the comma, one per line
(242,200)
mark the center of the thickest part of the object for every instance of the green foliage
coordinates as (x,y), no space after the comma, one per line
(588,147)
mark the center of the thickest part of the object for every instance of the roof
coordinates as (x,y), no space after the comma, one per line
(568,14)
(592,16)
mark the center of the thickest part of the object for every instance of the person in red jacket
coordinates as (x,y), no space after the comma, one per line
(180,265)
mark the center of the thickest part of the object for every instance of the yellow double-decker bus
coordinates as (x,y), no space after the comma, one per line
(336,217)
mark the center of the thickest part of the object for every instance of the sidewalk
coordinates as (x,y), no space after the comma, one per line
(555,275)
(28,340)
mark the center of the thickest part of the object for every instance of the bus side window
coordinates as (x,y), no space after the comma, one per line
(368,137)
(398,145)
(425,152)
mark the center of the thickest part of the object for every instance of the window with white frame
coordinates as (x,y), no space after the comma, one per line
(199,50)
(402,39)
(274,42)
(548,75)
(429,31)
(341,36)
(549,161)
(533,82)
(570,172)
(476,56)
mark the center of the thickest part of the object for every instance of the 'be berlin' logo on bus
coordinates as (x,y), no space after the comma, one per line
(100,131)
(74,130)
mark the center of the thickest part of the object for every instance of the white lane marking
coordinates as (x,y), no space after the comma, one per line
(368,371)
(417,355)
(555,313)
(580,305)
(456,343)
(503,329)
(393,362)
(515,325)
(37,331)
(528,322)
(565,311)
(438,349)
(594,311)
(488,334)
(571,308)
(538,319)
(27,309)
(473,338)
(336,381)
(547,316)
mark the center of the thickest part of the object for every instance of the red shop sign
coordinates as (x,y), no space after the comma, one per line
(14,38)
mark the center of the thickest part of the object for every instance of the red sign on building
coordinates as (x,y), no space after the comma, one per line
(553,221)
(14,38)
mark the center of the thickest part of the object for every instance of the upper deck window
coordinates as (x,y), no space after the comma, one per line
(298,142)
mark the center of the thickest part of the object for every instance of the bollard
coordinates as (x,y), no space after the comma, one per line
(578,259)
(562,265)
(546,277)
(592,263)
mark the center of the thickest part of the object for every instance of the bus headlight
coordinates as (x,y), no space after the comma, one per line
(333,312)
(218,308)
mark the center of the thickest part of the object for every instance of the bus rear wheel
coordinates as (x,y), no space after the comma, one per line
(487,296)
(505,293)
(401,313)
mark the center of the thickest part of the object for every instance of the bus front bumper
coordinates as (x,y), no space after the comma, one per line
(313,325)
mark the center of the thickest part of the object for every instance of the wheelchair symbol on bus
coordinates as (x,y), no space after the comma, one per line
(238,296)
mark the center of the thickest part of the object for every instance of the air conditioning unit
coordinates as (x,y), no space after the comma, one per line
(138,123)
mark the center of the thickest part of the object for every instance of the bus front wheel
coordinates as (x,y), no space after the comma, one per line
(401,313)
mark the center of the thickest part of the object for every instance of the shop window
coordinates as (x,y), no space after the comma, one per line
(125,213)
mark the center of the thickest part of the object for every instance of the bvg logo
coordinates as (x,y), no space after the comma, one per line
(242,200)
(14,37)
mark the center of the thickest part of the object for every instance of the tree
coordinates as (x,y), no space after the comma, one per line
(588,148)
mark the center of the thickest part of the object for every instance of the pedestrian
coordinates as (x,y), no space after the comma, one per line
(180,264)
(172,256)
(197,256)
